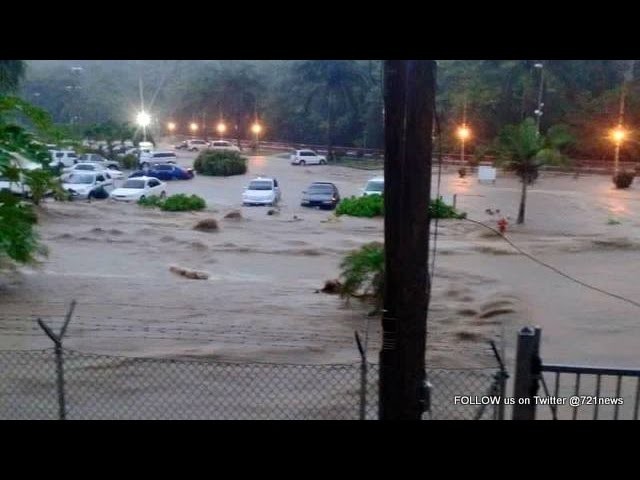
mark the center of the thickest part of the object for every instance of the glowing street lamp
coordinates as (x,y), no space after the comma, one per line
(256,128)
(618,135)
(193,126)
(463,133)
(143,119)
(171,126)
(221,127)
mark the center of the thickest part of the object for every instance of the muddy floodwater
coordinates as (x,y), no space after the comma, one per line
(260,301)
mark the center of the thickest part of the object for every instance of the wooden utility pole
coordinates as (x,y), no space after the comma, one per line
(409,98)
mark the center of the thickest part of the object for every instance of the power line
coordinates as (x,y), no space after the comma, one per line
(554,269)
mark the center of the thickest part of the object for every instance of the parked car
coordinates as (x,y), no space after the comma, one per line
(96,158)
(184,145)
(91,167)
(165,171)
(321,194)
(163,156)
(62,158)
(20,187)
(138,188)
(223,145)
(87,185)
(262,191)
(196,145)
(375,186)
(307,157)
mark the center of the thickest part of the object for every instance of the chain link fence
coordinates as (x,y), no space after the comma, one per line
(110,387)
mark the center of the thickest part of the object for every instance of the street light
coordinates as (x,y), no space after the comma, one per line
(143,119)
(256,128)
(221,127)
(463,133)
(193,126)
(171,126)
(538,112)
(618,135)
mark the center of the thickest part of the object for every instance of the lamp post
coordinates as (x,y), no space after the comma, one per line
(193,126)
(463,133)
(171,126)
(143,119)
(538,112)
(618,135)
(221,127)
(256,128)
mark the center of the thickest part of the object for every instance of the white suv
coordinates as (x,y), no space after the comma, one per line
(164,156)
(307,157)
(197,145)
(223,145)
(63,158)
(375,186)
(262,191)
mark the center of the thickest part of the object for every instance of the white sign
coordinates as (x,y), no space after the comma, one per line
(486,174)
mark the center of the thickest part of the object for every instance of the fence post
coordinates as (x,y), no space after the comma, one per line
(526,380)
(363,378)
(57,340)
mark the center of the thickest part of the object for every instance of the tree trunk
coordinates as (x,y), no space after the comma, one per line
(523,199)
(409,100)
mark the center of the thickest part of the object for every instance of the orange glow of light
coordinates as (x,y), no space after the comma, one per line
(193,126)
(464,132)
(618,134)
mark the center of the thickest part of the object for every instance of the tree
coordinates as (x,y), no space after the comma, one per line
(336,82)
(11,72)
(523,150)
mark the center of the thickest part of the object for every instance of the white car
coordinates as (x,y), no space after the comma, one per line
(307,157)
(223,145)
(163,156)
(375,186)
(139,187)
(197,145)
(87,185)
(95,158)
(19,187)
(91,167)
(262,191)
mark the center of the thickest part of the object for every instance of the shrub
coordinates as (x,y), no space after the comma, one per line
(183,203)
(40,183)
(369,206)
(152,201)
(373,206)
(439,209)
(129,162)
(362,272)
(623,179)
(220,163)
(462,172)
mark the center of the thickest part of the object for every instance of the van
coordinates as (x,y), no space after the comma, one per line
(153,157)
(63,158)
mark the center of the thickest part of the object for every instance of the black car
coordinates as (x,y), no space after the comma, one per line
(321,194)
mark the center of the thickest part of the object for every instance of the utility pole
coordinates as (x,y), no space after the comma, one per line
(409,98)
(628,77)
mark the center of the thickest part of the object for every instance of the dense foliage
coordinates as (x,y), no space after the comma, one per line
(362,273)
(339,102)
(175,203)
(223,163)
(373,206)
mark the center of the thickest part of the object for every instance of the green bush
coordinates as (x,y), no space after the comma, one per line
(152,201)
(175,203)
(623,179)
(129,162)
(373,206)
(369,206)
(220,163)
(439,209)
(362,272)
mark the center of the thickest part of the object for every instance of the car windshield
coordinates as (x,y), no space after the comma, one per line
(260,185)
(81,179)
(133,184)
(319,188)
(85,167)
(375,186)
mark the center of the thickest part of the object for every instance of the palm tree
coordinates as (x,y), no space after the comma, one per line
(11,72)
(523,150)
(333,80)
